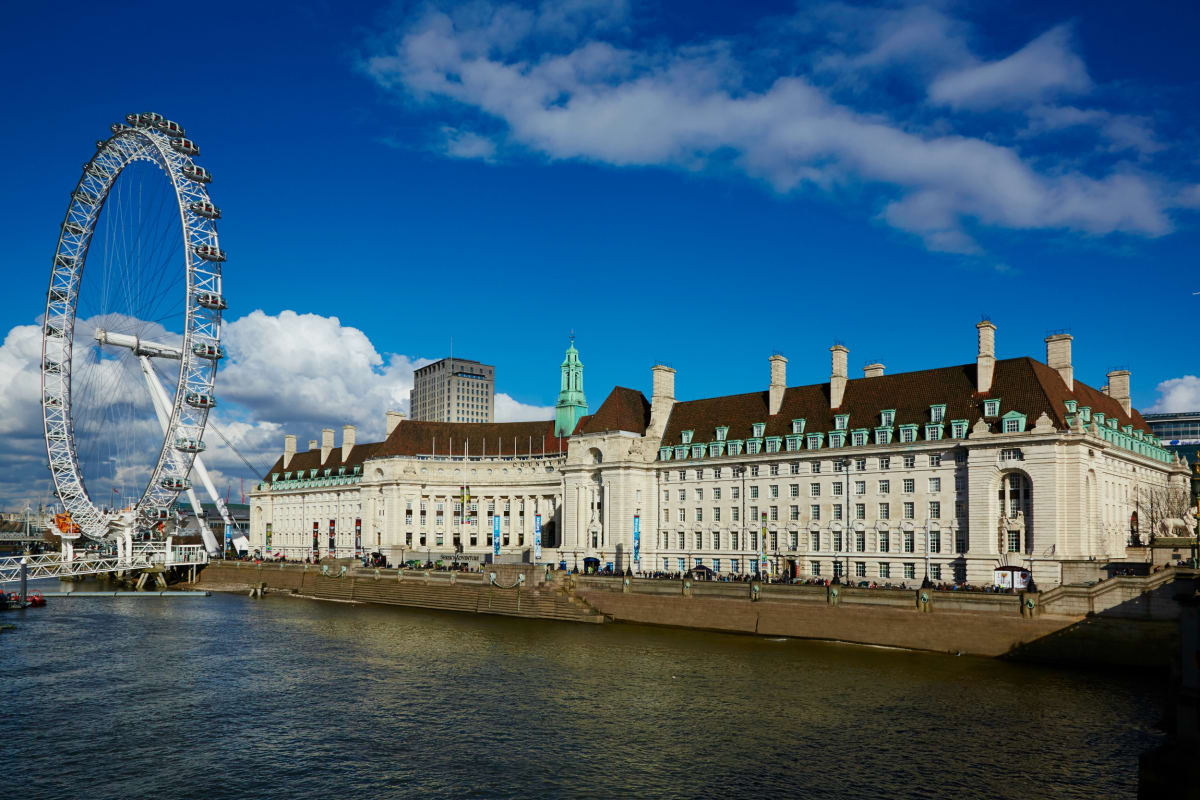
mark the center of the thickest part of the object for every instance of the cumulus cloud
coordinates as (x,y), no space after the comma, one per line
(285,373)
(1177,394)
(591,99)
(1120,131)
(1046,67)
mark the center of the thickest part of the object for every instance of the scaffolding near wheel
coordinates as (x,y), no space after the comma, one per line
(135,297)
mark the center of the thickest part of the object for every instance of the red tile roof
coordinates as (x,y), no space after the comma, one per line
(623,410)
(1021,384)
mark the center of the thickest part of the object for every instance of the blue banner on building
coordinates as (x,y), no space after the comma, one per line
(228,536)
(637,539)
(496,535)
(537,538)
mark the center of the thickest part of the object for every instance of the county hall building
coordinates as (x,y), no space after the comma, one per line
(951,472)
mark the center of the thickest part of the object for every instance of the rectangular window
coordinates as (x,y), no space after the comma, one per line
(735,492)
(1014,541)
(885,487)
(860,487)
(699,540)
(935,509)
(910,485)
(860,510)
(753,492)
(699,515)
(774,513)
(908,434)
(837,489)
(699,494)
(838,465)
(683,474)
(910,544)
(815,512)
(860,465)
(717,475)
(887,418)
(815,541)
(795,468)
(909,511)
(774,469)
(935,541)
(794,513)
(815,467)
(860,569)
(682,515)
(837,511)
(860,542)
(910,569)
(1012,425)
(885,462)
(717,514)
(774,490)
(885,541)
(885,569)
(754,514)
(794,490)
(814,568)
(935,485)
(884,511)
(682,495)
(754,471)
(910,462)
(814,490)
(935,459)
(937,413)
(736,512)
(837,541)
(858,438)
(935,572)
(733,540)
(682,543)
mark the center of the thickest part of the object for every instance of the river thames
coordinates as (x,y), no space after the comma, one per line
(226,697)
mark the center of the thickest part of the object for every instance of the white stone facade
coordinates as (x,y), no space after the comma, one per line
(1045,494)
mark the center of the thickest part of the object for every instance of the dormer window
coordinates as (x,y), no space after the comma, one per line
(753,446)
(274,477)
(1071,406)
(887,417)
(793,444)
(1086,413)
(716,449)
(758,428)
(937,413)
(697,451)
(773,443)
(1013,422)
(1099,415)
(722,432)
(680,453)
(836,438)
(814,441)
(687,437)
(933,432)
(798,426)
(958,429)
(664,454)
(735,447)
(991,408)
(883,436)
(858,437)
(908,433)
(840,421)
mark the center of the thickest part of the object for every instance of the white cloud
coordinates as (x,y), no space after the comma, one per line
(465,144)
(1045,67)
(286,373)
(1177,394)
(1122,131)
(686,108)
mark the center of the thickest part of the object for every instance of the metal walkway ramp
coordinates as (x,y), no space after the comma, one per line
(144,556)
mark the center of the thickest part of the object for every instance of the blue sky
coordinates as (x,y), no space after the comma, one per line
(699,183)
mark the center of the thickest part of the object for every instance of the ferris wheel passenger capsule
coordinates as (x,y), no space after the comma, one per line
(211,300)
(57,295)
(143,120)
(170,128)
(189,445)
(73,228)
(84,196)
(176,484)
(64,260)
(52,401)
(210,351)
(159,513)
(185,146)
(196,173)
(209,252)
(52,367)
(203,208)
(199,400)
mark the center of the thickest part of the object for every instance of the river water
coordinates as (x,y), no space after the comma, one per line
(228,697)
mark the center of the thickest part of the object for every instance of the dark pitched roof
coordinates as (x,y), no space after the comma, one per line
(623,410)
(311,459)
(412,437)
(1022,384)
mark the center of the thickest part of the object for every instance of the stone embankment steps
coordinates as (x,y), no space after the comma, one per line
(467,593)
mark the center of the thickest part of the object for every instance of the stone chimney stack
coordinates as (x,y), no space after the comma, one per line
(347,441)
(1058,357)
(1118,388)
(778,382)
(985,362)
(326,443)
(394,418)
(289,449)
(662,400)
(837,380)
(873,370)
(312,444)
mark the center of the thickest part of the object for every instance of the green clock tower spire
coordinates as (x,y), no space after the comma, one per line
(571,403)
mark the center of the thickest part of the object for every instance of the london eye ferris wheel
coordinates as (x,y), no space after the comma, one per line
(134,303)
